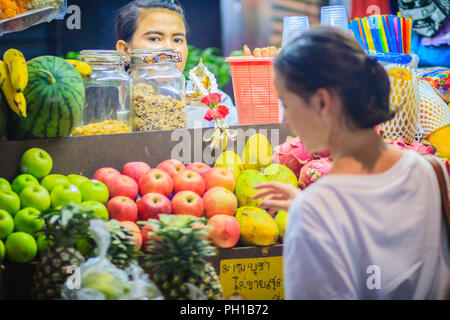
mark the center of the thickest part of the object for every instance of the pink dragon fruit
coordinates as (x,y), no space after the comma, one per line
(398,142)
(313,171)
(423,148)
(323,155)
(292,154)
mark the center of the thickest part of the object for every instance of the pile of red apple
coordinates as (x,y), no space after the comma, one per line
(139,193)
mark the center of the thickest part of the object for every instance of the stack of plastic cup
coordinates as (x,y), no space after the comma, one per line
(293,27)
(335,16)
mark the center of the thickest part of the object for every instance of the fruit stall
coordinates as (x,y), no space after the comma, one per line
(250,268)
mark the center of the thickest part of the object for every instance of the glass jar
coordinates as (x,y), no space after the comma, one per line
(158,90)
(108,94)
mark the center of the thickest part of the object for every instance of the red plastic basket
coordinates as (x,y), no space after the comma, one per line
(254,91)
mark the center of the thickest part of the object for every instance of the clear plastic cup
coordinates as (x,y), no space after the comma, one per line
(293,27)
(335,16)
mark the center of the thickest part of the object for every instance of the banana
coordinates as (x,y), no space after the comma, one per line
(18,69)
(82,67)
(16,100)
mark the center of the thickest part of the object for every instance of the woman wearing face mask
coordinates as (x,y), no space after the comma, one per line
(161,24)
(372,228)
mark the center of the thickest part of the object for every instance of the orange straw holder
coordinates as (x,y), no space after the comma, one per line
(254,91)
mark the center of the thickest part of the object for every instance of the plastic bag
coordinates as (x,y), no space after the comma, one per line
(439,79)
(101,280)
(402,70)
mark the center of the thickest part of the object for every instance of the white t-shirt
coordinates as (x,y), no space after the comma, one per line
(369,236)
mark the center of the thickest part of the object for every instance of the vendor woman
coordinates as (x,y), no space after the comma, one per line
(161,24)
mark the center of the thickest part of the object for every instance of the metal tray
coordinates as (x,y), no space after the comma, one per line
(27,19)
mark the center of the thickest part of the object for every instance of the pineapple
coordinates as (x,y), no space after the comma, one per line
(177,256)
(62,230)
(122,250)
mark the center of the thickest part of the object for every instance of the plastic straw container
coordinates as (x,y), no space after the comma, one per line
(335,16)
(293,27)
(254,91)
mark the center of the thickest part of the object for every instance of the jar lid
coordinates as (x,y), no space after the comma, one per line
(102,56)
(155,56)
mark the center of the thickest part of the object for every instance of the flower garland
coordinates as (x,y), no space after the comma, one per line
(216,114)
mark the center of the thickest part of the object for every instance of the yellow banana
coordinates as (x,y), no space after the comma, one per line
(82,67)
(16,100)
(18,69)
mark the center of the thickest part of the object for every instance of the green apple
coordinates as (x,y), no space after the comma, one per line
(62,195)
(99,209)
(94,190)
(27,220)
(22,181)
(36,162)
(4,185)
(10,202)
(53,180)
(6,224)
(2,251)
(42,243)
(21,247)
(77,180)
(35,197)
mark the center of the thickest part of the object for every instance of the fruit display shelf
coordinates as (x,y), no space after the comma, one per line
(245,272)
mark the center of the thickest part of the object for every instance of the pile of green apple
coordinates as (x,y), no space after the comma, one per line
(34,191)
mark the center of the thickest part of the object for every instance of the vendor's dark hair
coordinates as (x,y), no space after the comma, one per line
(127,16)
(329,58)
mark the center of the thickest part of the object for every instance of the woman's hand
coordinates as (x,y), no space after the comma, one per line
(279,195)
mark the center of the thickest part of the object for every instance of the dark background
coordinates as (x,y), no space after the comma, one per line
(98,29)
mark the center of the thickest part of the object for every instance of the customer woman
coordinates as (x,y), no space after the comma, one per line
(372,228)
(161,24)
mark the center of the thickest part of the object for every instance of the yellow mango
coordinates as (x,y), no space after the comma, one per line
(257,227)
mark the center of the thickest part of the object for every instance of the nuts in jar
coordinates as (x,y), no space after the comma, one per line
(154,111)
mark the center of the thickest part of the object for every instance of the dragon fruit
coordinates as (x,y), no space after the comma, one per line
(294,155)
(313,171)
(423,148)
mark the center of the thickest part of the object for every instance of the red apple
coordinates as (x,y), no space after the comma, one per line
(123,186)
(122,209)
(199,167)
(156,181)
(220,177)
(152,205)
(172,167)
(188,180)
(225,232)
(200,225)
(146,238)
(188,203)
(135,231)
(219,200)
(105,175)
(135,170)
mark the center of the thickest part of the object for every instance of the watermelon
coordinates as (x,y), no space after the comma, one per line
(55,100)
